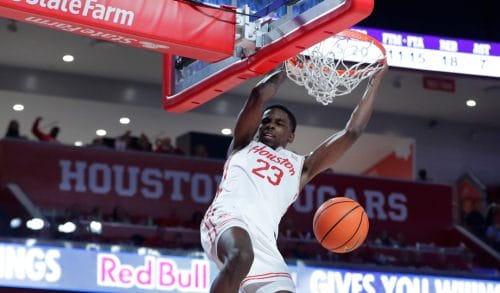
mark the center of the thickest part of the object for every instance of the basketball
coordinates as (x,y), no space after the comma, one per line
(340,225)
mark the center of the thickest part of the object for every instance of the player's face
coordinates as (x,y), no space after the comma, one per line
(275,129)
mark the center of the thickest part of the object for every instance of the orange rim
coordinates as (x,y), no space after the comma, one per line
(352,34)
(358,36)
(363,37)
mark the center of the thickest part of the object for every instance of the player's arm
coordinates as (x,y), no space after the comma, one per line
(328,152)
(250,116)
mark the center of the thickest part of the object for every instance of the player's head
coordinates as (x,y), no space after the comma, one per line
(277,127)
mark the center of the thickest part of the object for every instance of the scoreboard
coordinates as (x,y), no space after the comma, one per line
(434,53)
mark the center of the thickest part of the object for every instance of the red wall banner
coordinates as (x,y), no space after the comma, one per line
(167,26)
(56,176)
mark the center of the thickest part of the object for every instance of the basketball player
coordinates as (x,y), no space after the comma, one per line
(261,180)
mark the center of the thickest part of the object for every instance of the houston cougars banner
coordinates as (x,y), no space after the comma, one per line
(168,26)
(155,184)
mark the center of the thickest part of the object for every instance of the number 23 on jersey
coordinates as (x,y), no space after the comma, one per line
(266,171)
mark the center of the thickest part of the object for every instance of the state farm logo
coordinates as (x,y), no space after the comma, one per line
(86,8)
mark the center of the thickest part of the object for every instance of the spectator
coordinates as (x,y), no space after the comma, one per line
(122,142)
(195,221)
(491,211)
(137,240)
(165,146)
(289,229)
(95,214)
(422,175)
(13,130)
(97,142)
(493,232)
(49,137)
(170,221)
(144,144)
(72,213)
(384,239)
(159,239)
(475,221)
(300,251)
(399,241)
(200,151)
(177,243)
(119,215)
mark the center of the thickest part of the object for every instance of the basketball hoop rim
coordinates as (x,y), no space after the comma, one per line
(324,71)
(353,34)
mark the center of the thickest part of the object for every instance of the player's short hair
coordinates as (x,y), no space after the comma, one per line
(292,118)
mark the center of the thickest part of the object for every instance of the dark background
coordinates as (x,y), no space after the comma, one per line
(478,20)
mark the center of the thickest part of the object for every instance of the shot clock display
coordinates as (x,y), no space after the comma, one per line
(443,54)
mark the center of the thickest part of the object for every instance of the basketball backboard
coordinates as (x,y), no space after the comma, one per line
(277,29)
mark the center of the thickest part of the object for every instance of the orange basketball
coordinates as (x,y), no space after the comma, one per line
(340,224)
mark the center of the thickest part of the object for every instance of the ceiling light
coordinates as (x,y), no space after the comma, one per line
(15,223)
(18,107)
(226,131)
(124,120)
(92,246)
(30,242)
(95,227)
(101,132)
(78,143)
(35,224)
(115,248)
(68,58)
(68,227)
(471,103)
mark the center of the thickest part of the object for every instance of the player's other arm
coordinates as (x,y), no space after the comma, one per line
(250,116)
(330,150)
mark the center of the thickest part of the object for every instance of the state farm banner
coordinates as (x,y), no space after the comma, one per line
(156,184)
(168,26)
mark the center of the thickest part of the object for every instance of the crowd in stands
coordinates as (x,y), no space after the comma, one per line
(485,225)
(126,141)
(13,131)
(173,233)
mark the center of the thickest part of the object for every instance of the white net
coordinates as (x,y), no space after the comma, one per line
(337,65)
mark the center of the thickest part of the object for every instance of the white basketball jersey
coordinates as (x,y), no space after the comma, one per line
(260,183)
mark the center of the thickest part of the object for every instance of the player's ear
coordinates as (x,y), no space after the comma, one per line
(291,137)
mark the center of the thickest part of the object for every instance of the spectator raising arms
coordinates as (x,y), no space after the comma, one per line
(50,137)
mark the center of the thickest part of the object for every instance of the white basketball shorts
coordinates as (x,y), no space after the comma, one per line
(269,272)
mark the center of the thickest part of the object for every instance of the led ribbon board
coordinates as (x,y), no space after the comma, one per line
(53,268)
